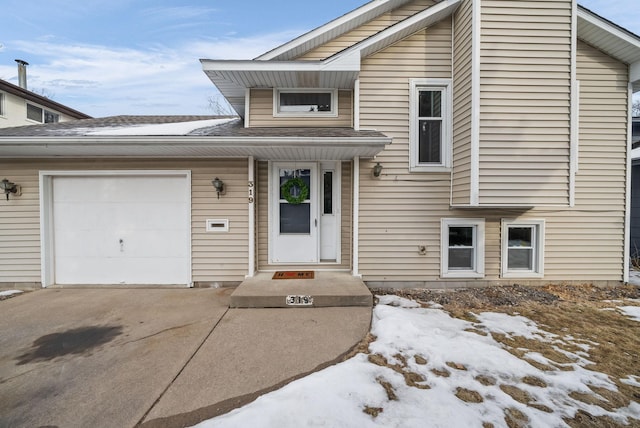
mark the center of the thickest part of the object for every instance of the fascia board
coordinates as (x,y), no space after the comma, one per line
(341,25)
(404,28)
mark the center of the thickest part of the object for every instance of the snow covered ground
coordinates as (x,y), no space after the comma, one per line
(7,293)
(428,369)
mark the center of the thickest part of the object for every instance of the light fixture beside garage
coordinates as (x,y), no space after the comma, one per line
(9,187)
(219,186)
(377,170)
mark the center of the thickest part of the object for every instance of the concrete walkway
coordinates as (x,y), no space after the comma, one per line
(155,357)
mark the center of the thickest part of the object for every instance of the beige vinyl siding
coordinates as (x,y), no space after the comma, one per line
(261,112)
(370,28)
(400,210)
(216,257)
(20,227)
(587,242)
(462,102)
(262,212)
(525,102)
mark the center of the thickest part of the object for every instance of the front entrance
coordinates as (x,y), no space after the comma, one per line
(304,212)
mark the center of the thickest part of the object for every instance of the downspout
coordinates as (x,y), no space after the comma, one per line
(356,216)
(627,211)
(252,218)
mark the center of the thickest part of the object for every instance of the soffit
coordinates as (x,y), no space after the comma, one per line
(611,39)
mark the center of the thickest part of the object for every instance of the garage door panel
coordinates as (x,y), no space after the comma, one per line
(121,230)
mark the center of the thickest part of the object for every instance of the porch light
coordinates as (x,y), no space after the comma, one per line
(8,187)
(218,185)
(377,170)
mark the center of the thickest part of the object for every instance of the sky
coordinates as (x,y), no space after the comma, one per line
(106,58)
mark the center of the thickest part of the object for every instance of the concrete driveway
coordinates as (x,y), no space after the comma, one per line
(154,357)
(97,357)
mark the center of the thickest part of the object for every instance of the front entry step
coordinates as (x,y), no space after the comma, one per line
(327,289)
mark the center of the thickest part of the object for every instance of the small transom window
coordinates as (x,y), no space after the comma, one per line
(305,103)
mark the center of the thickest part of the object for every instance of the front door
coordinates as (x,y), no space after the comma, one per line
(294,213)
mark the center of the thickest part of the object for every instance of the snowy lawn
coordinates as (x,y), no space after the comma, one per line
(426,368)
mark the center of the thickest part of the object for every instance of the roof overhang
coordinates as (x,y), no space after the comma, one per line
(261,148)
(233,78)
(339,71)
(613,40)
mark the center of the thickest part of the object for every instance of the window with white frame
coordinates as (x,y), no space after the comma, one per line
(522,248)
(430,125)
(302,102)
(38,114)
(2,104)
(462,252)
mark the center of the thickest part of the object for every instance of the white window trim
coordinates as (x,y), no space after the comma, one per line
(3,97)
(478,223)
(278,113)
(538,249)
(416,85)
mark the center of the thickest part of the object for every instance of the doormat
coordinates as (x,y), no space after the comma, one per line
(294,274)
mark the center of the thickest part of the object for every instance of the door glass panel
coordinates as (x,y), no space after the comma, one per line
(295,218)
(327,197)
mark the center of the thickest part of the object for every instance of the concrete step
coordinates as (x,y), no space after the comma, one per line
(327,289)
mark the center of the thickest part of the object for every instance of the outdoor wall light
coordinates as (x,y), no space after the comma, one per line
(377,170)
(219,186)
(8,187)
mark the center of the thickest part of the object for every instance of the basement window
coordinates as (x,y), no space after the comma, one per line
(522,248)
(40,115)
(303,103)
(462,252)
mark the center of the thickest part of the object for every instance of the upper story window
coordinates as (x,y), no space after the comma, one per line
(299,102)
(2,104)
(38,114)
(430,125)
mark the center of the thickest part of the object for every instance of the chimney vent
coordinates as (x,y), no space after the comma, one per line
(22,73)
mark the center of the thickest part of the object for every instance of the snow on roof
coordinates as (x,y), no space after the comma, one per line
(178,128)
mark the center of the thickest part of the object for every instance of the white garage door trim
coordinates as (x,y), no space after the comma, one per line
(46,212)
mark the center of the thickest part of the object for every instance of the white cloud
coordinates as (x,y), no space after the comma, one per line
(101,80)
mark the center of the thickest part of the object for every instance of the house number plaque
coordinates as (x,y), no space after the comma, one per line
(251,196)
(299,300)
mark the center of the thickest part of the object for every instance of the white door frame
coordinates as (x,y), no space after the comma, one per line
(47,265)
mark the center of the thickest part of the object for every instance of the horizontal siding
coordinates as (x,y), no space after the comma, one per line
(216,257)
(370,28)
(525,102)
(400,210)
(462,102)
(261,112)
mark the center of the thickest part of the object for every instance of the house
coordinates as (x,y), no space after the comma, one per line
(19,106)
(409,142)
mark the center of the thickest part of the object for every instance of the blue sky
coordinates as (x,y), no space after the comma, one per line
(141,56)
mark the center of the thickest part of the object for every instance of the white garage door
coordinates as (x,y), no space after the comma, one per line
(121,230)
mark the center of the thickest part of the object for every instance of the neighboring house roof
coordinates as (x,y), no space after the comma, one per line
(185,136)
(40,100)
(278,67)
